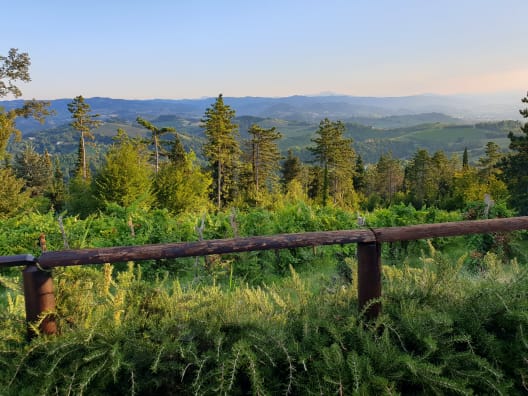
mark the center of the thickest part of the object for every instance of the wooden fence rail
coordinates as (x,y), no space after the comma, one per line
(38,283)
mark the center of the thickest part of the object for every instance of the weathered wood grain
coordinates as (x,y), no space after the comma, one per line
(201,248)
(281,241)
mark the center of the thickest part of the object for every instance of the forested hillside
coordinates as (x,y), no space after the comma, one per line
(402,135)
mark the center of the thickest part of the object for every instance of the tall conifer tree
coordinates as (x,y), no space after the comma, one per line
(388,177)
(222,149)
(35,169)
(465,159)
(264,155)
(336,157)
(419,179)
(515,166)
(84,122)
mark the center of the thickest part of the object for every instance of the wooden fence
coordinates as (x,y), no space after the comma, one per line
(38,282)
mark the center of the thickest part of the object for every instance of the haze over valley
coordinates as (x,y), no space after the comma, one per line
(377,124)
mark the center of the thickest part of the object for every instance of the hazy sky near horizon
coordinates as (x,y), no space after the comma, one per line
(190,49)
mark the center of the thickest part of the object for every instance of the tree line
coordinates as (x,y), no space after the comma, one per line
(159,172)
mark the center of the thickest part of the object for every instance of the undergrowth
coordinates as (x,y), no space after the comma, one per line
(442,331)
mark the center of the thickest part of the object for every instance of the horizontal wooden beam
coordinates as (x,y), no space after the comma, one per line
(236,245)
(201,248)
(455,228)
(14,261)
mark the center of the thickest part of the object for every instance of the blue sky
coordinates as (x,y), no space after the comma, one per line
(190,49)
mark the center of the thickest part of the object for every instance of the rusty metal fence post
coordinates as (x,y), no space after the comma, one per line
(369,278)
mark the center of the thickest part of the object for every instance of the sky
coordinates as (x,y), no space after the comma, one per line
(189,49)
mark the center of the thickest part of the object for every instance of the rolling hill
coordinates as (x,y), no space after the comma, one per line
(383,112)
(377,125)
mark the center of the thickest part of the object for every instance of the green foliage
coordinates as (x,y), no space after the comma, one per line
(403,215)
(222,150)
(156,134)
(80,200)
(291,168)
(263,155)
(7,129)
(465,159)
(183,187)
(336,158)
(57,189)
(12,195)
(514,166)
(441,332)
(35,169)
(13,67)
(83,121)
(125,178)
(176,153)
(504,245)
(359,175)
(385,180)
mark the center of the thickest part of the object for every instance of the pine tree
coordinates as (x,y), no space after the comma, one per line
(388,179)
(80,170)
(443,178)
(222,149)
(419,179)
(336,158)
(177,155)
(262,152)
(80,199)
(465,159)
(359,179)
(515,166)
(430,180)
(35,169)
(156,134)
(291,168)
(488,165)
(84,122)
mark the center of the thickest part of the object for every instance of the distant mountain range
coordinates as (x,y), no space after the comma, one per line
(381,112)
